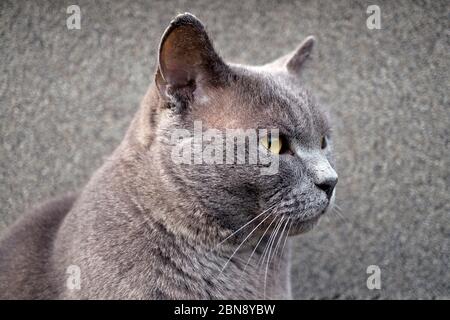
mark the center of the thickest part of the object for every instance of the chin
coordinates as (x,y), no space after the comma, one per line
(303,225)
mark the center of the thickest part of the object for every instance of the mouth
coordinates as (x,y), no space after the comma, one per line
(304,219)
(310,220)
(314,216)
(304,224)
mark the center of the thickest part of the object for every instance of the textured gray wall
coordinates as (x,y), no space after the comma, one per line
(68,96)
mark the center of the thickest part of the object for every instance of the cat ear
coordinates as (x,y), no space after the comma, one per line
(187,60)
(293,61)
(296,59)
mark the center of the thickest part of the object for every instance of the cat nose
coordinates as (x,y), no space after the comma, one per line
(328,186)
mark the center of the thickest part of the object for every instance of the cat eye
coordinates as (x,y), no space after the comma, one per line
(272,144)
(324,142)
(276,145)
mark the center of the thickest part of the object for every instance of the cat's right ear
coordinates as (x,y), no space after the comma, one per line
(187,62)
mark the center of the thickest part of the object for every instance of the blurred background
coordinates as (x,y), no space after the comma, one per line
(67,97)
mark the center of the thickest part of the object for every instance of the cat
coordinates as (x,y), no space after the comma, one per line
(145,227)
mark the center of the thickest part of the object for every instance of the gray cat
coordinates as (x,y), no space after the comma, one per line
(146,227)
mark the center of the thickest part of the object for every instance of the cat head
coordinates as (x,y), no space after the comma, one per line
(203,100)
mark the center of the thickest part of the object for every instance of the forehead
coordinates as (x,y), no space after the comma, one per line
(254,98)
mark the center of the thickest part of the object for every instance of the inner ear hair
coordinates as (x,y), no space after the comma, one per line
(186,60)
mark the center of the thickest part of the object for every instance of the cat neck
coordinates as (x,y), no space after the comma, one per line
(228,270)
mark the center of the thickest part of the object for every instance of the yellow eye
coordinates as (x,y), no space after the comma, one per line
(272,144)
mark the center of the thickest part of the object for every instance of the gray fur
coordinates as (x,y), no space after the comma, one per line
(145,228)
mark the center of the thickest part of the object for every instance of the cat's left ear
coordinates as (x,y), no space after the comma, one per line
(293,62)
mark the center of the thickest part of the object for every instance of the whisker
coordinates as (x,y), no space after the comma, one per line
(246,224)
(280,238)
(268,243)
(339,211)
(341,217)
(285,240)
(270,251)
(256,247)
(243,242)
